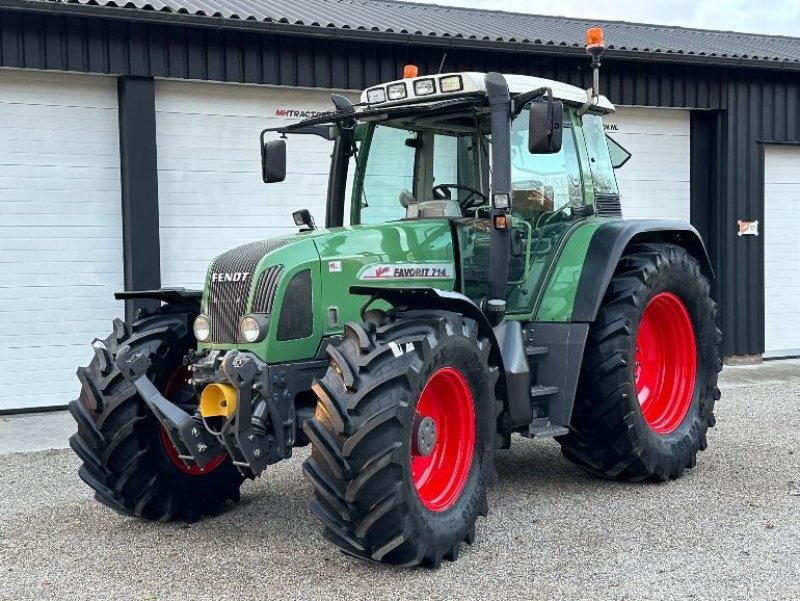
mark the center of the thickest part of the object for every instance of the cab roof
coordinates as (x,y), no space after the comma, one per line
(473,83)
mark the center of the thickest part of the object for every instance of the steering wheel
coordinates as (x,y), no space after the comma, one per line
(442,192)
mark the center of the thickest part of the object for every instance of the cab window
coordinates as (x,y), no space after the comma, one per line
(543,183)
(603,178)
(388,172)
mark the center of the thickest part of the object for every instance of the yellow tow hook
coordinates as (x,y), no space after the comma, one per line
(218,400)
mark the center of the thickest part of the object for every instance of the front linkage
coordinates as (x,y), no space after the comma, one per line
(246,407)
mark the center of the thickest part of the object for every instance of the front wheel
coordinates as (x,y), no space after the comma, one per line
(403,438)
(127,457)
(649,378)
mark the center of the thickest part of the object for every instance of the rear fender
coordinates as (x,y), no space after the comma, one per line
(609,242)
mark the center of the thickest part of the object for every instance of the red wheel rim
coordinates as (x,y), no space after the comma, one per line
(665,363)
(179,378)
(440,476)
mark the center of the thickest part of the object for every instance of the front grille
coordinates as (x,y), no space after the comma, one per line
(297,318)
(227,300)
(607,205)
(265,289)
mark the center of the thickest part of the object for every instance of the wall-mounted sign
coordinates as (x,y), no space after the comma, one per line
(748,228)
(296,113)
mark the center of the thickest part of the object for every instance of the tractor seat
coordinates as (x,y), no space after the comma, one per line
(428,208)
(439,208)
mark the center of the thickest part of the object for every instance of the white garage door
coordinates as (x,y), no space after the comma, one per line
(60,230)
(654,183)
(211,196)
(782,251)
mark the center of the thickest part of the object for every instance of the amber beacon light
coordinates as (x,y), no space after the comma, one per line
(594,38)
(410,71)
(595,46)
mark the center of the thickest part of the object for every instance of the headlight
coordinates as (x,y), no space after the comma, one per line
(202,327)
(253,328)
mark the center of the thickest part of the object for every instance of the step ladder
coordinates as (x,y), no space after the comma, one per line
(541,427)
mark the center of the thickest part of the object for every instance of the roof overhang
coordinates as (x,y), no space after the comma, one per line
(412,39)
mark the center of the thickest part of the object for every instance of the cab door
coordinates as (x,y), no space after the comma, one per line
(548,192)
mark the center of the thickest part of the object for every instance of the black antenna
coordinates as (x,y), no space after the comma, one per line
(441,65)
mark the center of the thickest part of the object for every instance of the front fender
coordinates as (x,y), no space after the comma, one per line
(420,297)
(609,242)
(172,296)
(514,381)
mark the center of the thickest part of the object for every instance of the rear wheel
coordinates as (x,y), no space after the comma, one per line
(403,438)
(649,379)
(127,457)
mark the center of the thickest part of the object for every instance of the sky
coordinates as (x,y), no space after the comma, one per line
(777,17)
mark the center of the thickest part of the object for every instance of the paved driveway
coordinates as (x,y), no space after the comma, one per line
(729,530)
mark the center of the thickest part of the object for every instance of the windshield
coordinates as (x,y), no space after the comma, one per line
(407,173)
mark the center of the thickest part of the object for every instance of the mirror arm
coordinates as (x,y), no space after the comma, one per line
(521,100)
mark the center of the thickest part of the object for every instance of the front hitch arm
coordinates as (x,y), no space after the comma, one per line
(193,442)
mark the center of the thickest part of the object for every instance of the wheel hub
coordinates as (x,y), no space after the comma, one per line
(442,439)
(665,362)
(424,435)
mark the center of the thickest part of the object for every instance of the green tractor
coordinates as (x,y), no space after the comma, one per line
(486,285)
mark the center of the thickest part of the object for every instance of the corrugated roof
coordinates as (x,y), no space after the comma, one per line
(390,16)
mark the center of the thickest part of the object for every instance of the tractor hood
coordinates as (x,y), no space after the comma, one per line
(300,283)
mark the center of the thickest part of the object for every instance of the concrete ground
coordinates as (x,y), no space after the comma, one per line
(730,529)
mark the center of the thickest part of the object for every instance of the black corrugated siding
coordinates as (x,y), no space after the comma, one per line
(760,109)
(93,45)
(749,107)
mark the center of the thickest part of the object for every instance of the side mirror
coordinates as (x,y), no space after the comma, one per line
(545,127)
(273,161)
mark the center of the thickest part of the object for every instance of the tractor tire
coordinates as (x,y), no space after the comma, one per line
(127,458)
(387,489)
(648,382)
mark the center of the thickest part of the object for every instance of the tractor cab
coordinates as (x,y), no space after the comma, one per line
(439,147)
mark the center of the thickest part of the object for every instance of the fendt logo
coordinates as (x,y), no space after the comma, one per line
(238,276)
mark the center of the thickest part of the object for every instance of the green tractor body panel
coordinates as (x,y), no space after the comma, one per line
(559,289)
(409,253)
(405,253)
